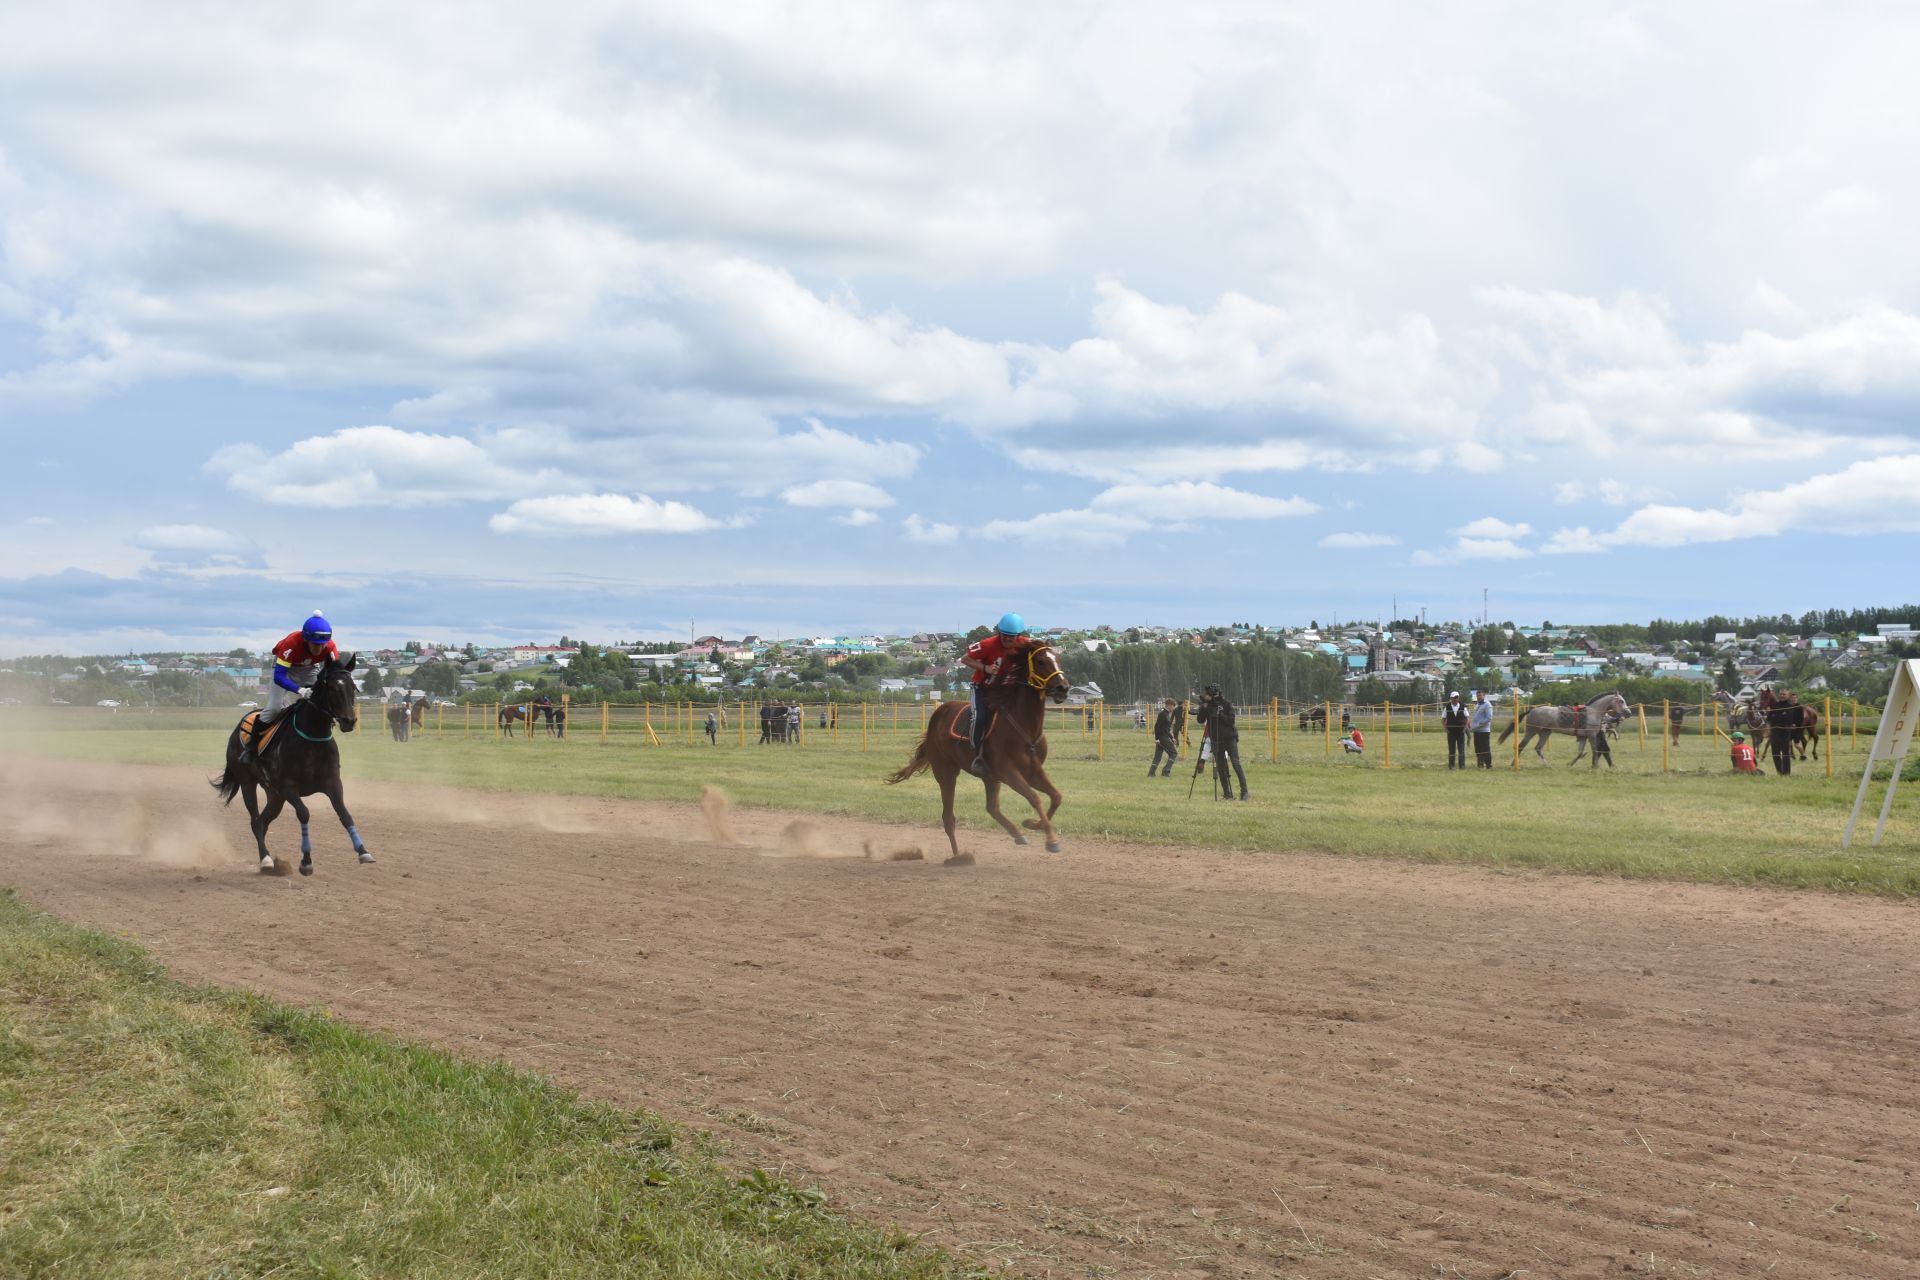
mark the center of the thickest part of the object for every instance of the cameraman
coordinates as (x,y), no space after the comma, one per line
(1220,726)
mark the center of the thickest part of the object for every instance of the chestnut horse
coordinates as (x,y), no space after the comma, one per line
(402,717)
(1015,749)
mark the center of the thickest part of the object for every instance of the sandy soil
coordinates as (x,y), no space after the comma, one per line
(1120,1060)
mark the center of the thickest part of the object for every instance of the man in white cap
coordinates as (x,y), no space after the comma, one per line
(1454,717)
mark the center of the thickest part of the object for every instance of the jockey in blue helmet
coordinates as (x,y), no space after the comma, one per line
(992,659)
(296,665)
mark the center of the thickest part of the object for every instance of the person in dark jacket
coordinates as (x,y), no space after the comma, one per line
(1781,721)
(1219,725)
(1454,717)
(1165,743)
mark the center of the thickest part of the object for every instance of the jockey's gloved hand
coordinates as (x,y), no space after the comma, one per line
(304,693)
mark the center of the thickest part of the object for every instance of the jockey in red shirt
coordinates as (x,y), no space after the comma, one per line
(1744,761)
(995,662)
(296,665)
(297,659)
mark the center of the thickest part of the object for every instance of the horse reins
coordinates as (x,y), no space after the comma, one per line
(331,716)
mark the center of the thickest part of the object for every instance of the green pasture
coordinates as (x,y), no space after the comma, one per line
(151,1130)
(1679,815)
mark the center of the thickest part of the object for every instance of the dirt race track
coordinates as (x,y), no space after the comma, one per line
(1120,1060)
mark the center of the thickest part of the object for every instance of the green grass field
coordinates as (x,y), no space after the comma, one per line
(1694,820)
(151,1130)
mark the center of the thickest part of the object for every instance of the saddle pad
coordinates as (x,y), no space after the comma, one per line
(252,718)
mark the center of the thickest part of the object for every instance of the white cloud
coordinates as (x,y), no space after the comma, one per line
(1202,500)
(601,514)
(1494,527)
(374,466)
(857,518)
(1358,541)
(1488,538)
(40,521)
(929,531)
(1872,497)
(197,545)
(1116,513)
(185,537)
(1078,527)
(837,493)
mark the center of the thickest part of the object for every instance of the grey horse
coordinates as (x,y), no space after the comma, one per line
(1596,717)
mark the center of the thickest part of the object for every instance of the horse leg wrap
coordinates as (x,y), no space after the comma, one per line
(353,834)
(306,840)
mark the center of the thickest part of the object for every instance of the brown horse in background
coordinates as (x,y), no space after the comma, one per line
(402,716)
(511,713)
(1015,749)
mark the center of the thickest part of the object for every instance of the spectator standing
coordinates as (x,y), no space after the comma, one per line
(1220,726)
(1165,741)
(1482,726)
(1781,720)
(793,725)
(713,730)
(1454,717)
(766,722)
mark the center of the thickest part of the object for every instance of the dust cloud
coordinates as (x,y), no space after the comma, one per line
(117,818)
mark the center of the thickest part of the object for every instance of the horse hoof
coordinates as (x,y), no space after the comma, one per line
(365,857)
(306,868)
(1053,846)
(1019,839)
(958,860)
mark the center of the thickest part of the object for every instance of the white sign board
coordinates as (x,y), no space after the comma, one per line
(1890,743)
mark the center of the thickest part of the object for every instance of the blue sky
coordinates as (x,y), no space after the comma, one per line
(496,323)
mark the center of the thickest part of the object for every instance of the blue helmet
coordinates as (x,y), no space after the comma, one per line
(317,630)
(1012,624)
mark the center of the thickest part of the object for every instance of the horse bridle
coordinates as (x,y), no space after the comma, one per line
(312,703)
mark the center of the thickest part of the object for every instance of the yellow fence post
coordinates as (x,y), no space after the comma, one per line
(1642,711)
(646,722)
(1666,733)
(864,718)
(1100,741)
(1386,714)
(606,719)
(1273,731)
(1828,727)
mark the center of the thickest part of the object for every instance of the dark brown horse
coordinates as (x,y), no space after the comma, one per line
(512,713)
(296,756)
(1781,713)
(1015,749)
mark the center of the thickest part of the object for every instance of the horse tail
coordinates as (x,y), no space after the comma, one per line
(920,762)
(227,785)
(1506,732)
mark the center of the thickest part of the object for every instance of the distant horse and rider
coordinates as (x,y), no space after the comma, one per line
(1583,722)
(405,716)
(1014,748)
(541,709)
(290,754)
